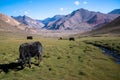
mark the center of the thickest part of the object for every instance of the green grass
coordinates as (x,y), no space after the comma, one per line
(62,60)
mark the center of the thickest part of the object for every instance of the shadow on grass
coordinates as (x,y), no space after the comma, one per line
(10,66)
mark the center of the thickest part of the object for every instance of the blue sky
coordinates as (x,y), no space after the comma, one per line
(40,9)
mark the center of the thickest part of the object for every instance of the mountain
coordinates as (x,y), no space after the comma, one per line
(53,19)
(10,25)
(79,21)
(31,23)
(8,20)
(82,20)
(112,28)
(115,11)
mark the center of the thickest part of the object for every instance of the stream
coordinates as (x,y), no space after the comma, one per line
(111,53)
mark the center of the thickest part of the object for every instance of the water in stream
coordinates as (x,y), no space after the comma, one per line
(112,53)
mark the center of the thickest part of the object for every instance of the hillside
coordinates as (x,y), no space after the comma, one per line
(31,23)
(9,26)
(112,28)
(48,21)
(9,30)
(115,11)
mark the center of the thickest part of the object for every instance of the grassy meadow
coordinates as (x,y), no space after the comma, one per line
(62,60)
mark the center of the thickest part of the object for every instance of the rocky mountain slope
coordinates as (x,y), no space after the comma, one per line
(115,11)
(31,23)
(8,20)
(12,22)
(48,21)
(112,28)
(10,26)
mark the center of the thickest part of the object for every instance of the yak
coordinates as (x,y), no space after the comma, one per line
(29,37)
(71,39)
(29,50)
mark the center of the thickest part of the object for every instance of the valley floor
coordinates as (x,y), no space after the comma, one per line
(62,60)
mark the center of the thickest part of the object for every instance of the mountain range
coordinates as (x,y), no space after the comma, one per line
(81,19)
(78,21)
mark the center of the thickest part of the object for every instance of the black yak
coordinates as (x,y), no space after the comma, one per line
(71,39)
(28,50)
(29,37)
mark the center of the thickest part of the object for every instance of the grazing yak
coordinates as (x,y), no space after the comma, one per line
(71,39)
(28,50)
(60,38)
(29,37)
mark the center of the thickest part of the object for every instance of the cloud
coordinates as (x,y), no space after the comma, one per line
(77,3)
(85,2)
(61,9)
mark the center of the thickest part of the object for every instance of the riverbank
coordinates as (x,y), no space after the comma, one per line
(109,47)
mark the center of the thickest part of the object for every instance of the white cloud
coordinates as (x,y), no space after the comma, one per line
(61,9)
(85,2)
(77,3)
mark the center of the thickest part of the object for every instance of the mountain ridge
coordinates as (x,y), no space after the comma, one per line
(112,28)
(54,18)
(9,26)
(31,23)
(115,11)
(81,19)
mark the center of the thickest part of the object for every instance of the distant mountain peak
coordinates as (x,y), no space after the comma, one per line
(82,9)
(52,19)
(115,11)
